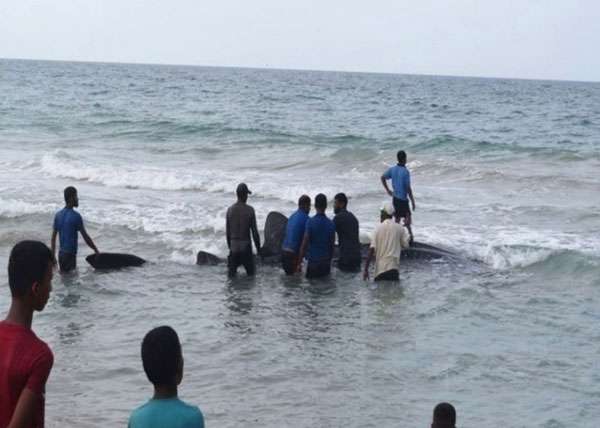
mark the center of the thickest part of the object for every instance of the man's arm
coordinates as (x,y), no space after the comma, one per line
(32,396)
(255,235)
(88,240)
(385,185)
(227,230)
(302,252)
(332,245)
(410,195)
(370,255)
(25,409)
(53,245)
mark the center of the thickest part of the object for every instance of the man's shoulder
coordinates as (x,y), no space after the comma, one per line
(187,415)
(36,348)
(190,410)
(40,349)
(351,216)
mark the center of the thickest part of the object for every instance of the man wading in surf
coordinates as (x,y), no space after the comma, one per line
(67,222)
(400,177)
(241,220)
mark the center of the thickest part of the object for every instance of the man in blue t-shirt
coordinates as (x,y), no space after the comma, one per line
(294,233)
(400,177)
(67,223)
(319,238)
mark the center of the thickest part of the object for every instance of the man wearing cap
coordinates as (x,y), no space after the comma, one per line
(388,240)
(240,221)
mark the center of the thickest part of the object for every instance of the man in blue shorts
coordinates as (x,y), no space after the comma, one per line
(67,222)
(294,233)
(319,238)
(400,177)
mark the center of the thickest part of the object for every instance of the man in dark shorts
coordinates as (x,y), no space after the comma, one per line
(346,227)
(294,233)
(400,177)
(25,360)
(319,239)
(67,223)
(240,221)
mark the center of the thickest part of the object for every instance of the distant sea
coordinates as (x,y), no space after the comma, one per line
(505,173)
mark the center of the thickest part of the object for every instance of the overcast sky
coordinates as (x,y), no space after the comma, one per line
(548,39)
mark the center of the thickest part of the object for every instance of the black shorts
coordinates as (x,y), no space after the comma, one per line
(288,262)
(390,275)
(244,258)
(349,265)
(318,269)
(67,262)
(401,207)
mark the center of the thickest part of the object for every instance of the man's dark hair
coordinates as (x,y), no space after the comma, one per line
(69,193)
(28,263)
(342,198)
(161,355)
(304,200)
(444,416)
(401,155)
(321,201)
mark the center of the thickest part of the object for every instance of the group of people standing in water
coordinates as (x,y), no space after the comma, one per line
(306,238)
(313,238)
(26,361)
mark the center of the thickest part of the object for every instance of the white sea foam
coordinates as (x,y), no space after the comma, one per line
(13,208)
(506,248)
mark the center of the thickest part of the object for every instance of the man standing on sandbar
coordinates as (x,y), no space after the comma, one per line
(240,221)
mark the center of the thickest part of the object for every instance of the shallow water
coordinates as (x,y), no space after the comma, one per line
(504,172)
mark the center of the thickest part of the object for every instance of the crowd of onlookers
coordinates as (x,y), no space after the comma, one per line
(26,361)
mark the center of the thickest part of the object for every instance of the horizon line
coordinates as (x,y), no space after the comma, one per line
(267,68)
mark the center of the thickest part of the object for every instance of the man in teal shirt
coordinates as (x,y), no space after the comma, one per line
(163,363)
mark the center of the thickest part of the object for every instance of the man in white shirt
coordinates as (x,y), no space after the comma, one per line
(388,240)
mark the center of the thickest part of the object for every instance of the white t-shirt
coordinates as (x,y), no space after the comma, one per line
(388,240)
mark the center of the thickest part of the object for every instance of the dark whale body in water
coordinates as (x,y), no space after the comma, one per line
(113,260)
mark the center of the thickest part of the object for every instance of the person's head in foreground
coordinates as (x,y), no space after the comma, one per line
(304,203)
(320,203)
(163,364)
(30,269)
(340,202)
(401,156)
(387,211)
(242,192)
(444,416)
(71,198)
(163,360)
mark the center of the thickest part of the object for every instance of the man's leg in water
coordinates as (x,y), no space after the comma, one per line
(232,264)
(407,222)
(248,262)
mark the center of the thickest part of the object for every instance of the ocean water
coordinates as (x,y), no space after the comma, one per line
(505,172)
